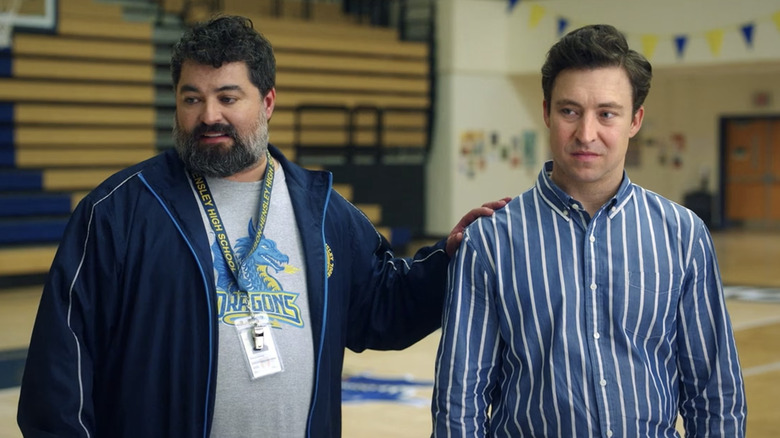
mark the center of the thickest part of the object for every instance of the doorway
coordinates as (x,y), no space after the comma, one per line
(750,171)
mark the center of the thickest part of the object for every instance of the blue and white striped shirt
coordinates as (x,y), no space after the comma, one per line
(561,325)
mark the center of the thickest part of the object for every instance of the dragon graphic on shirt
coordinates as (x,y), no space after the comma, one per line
(261,272)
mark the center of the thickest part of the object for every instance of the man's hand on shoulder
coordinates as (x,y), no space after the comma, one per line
(456,235)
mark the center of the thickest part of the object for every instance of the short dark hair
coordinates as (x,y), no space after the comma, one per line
(597,46)
(226,39)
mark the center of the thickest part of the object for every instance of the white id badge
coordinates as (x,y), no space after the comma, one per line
(260,351)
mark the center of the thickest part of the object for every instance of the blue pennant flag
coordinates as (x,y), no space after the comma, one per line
(679,42)
(747,32)
(512,4)
(562,25)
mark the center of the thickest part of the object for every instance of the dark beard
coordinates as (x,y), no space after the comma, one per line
(217,160)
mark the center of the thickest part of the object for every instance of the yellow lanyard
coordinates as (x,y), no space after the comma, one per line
(207,200)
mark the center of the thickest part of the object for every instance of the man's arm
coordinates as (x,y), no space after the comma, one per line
(468,358)
(712,399)
(56,391)
(398,301)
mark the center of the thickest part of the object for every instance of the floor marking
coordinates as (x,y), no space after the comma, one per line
(752,293)
(757,323)
(761,369)
(364,388)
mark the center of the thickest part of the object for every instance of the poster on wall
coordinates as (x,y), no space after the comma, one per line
(515,153)
(476,155)
(472,149)
(678,147)
(529,149)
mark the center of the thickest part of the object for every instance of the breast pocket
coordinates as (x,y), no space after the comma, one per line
(650,306)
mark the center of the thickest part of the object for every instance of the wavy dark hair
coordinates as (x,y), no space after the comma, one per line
(226,39)
(597,46)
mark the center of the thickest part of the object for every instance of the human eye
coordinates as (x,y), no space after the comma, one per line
(568,112)
(190,100)
(607,115)
(228,99)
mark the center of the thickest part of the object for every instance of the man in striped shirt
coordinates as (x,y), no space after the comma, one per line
(588,306)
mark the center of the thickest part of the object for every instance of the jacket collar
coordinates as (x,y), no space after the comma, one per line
(310,193)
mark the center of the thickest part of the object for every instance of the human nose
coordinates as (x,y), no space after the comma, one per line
(586,129)
(211,113)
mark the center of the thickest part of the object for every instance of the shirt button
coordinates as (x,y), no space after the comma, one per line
(592,239)
(575,207)
(603,382)
(593,286)
(612,209)
(565,212)
(596,335)
(609,433)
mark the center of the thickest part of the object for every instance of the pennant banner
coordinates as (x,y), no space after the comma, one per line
(649,43)
(562,25)
(679,44)
(715,40)
(747,32)
(537,13)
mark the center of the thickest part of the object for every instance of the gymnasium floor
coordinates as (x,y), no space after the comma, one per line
(750,265)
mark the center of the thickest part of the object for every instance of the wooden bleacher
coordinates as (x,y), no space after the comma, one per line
(321,12)
(84,98)
(81,101)
(344,64)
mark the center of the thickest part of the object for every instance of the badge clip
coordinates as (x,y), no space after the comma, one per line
(258,335)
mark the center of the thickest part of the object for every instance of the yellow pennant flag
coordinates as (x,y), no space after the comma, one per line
(537,12)
(715,39)
(649,42)
(776,19)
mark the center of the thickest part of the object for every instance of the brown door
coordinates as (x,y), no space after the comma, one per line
(752,171)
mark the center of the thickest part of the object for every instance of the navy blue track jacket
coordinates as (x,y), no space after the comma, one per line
(125,341)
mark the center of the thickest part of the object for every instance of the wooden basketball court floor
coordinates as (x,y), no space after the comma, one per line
(750,266)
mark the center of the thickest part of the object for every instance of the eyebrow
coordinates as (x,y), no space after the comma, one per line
(564,102)
(191,88)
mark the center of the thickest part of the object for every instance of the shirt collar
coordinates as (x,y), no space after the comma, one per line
(561,202)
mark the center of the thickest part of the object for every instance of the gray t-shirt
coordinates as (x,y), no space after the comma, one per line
(276,405)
